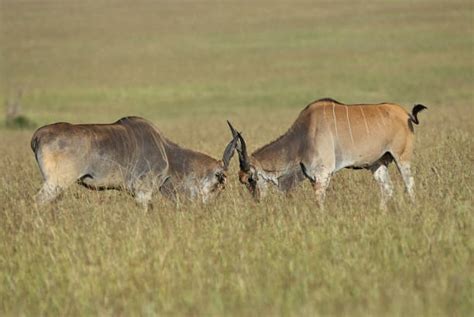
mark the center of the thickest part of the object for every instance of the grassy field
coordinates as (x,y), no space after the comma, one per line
(189,66)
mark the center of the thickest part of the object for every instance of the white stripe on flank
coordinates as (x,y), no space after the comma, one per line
(334,117)
(381,114)
(349,123)
(330,133)
(365,120)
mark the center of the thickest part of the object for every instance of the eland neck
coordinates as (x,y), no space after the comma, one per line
(281,155)
(185,162)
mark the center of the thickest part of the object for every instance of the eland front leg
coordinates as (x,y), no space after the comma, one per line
(320,178)
(144,187)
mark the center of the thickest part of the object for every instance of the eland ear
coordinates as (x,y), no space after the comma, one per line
(229,152)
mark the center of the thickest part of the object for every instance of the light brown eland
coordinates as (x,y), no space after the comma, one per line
(328,136)
(131,155)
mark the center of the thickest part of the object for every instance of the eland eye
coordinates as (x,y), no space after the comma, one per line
(252,182)
(253,178)
(220,177)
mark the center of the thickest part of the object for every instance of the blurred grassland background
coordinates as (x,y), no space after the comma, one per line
(190,65)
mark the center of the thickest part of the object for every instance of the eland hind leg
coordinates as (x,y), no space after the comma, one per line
(52,188)
(405,170)
(381,175)
(58,173)
(404,167)
(48,193)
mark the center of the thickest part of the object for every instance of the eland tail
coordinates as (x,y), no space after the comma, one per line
(414,113)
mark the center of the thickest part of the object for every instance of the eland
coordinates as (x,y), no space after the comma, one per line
(131,155)
(328,136)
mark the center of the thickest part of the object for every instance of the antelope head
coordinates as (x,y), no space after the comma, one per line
(250,174)
(216,177)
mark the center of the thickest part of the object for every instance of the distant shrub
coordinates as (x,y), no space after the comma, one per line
(20,122)
(13,117)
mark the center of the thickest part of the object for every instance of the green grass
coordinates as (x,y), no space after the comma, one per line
(190,66)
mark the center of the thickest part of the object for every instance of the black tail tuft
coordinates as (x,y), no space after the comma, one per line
(414,113)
